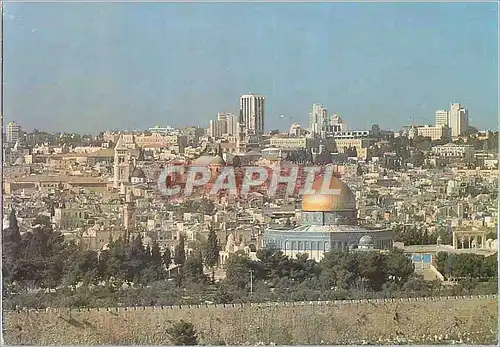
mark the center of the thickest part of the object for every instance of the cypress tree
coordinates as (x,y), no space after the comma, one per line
(155,253)
(12,233)
(167,257)
(212,249)
(193,267)
(180,252)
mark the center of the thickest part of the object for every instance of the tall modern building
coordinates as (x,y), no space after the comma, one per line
(232,124)
(252,113)
(442,118)
(459,120)
(222,120)
(12,132)
(214,128)
(318,119)
(225,124)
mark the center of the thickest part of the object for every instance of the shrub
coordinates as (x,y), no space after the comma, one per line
(182,333)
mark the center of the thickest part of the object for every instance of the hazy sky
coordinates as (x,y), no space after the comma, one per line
(94,66)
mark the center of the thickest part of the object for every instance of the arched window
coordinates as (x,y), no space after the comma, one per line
(307,246)
(300,246)
(293,246)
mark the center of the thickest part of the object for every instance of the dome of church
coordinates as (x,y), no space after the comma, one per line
(318,202)
(138,173)
(205,160)
(366,241)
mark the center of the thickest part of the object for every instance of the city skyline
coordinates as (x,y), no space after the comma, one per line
(81,67)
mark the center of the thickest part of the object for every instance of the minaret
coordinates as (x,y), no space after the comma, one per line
(129,216)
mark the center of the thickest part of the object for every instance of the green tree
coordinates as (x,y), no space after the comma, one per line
(180,252)
(183,333)
(238,268)
(489,266)
(212,251)
(12,233)
(340,269)
(443,263)
(154,269)
(398,266)
(167,257)
(303,268)
(373,270)
(273,264)
(136,259)
(42,256)
(116,257)
(11,246)
(156,253)
(193,267)
(417,158)
(84,268)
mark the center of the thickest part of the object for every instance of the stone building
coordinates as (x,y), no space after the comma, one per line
(232,246)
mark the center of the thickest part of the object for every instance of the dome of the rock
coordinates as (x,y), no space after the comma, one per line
(323,201)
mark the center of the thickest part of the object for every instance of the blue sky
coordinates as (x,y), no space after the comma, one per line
(93,66)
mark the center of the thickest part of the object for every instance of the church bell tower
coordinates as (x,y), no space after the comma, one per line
(129,216)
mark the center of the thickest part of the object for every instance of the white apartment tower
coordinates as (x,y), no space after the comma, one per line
(214,128)
(222,120)
(226,124)
(252,113)
(318,119)
(232,124)
(442,118)
(12,132)
(459,120)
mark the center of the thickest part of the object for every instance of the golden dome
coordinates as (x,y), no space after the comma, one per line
(319,202)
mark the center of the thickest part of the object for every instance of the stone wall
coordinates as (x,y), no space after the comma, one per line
(417,320)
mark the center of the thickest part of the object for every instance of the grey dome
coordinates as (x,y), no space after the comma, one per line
(138,173)
(209,160)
